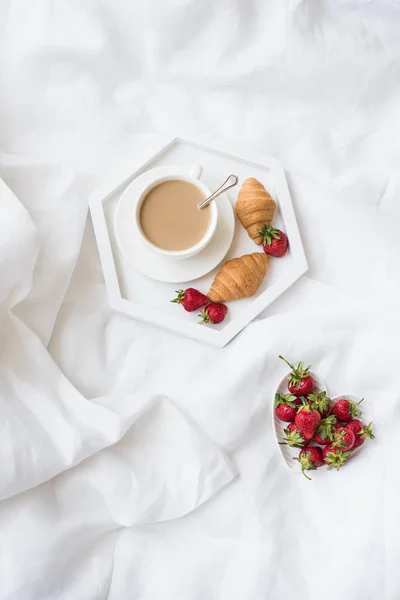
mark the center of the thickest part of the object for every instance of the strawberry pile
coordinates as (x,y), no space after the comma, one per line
(326,433)
(191,300)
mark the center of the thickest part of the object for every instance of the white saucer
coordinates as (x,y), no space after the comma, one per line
(160,267)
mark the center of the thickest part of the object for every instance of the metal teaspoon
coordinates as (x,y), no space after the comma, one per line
(231,181)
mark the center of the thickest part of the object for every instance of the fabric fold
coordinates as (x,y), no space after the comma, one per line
(161,469)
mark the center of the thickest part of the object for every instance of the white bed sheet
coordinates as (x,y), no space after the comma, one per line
(111,429)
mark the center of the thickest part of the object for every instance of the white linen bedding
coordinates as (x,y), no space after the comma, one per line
(112,431)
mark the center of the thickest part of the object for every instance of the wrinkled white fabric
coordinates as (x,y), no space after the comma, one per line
(74,471)
(96,459)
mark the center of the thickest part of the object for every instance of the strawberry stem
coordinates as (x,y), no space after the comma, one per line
(180,296)
(287,362)
(366,431)
(268,234)
(204,319)
(302,466)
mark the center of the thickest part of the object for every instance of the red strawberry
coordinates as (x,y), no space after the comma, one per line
(325,431)
(191,299)
(343,439)
(213,313)
(334,457)
(346,411)
(293,437)
(360,431)
(285,408)
(355,425)
(321,402)
(300,381)
(309,459)
(307,421)
(275,242)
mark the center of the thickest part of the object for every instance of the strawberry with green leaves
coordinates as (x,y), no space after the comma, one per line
(321,402)
(309,459)
(343,438)
(325,431)
(285,408)
(360,431)
(275,241)
(293,438)
(214,313)
(191,299)
(334,458)
(307,420)
(300,381)
(345,410)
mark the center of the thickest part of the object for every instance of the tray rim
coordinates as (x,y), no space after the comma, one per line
(120,176)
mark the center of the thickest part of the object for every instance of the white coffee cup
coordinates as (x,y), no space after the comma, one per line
(192,177)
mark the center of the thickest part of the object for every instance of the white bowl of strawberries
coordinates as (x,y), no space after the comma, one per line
(314,430)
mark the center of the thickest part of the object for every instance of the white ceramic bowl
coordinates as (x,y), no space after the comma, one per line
(179,254)
(287,453)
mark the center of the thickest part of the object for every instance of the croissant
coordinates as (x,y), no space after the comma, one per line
(239,277)
(254,208)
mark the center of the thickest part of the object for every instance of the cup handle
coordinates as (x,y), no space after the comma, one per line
(196,171)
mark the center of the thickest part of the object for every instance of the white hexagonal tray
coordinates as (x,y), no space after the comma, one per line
(138,296)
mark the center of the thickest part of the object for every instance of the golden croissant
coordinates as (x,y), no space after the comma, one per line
(254,208)
(239,277)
